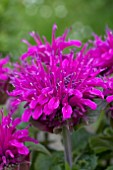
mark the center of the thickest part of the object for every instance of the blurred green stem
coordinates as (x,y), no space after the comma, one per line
(67,145)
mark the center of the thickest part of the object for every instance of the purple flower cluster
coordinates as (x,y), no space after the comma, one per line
(102,51)
(12,148)
(59,88)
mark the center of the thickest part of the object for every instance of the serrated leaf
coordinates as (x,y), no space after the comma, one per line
(38,147)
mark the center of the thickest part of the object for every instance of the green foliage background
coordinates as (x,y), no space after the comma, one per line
(18,17)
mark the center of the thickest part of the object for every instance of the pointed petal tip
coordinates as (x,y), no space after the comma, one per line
(54,27)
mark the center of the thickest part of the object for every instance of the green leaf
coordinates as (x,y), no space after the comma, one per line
(38,147)
(67,167)
(53,162)
(80,139)
(98,145)
(43,162)
(108,131)
(101,143)
(110,168)
(58,158)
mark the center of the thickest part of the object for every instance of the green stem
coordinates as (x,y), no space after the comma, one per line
(67,145)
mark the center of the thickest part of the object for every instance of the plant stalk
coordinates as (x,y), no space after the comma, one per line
(67,145)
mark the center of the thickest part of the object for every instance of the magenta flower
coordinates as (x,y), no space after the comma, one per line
(4,79)
(12,148)
(3,72)
(108,91)
(102,51)
(45,50)
(58,91)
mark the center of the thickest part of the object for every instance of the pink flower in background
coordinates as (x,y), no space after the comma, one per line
(12,148)
(5,85)
(59,92)
(108,91)
(3,72)
(102,51)
(4,79)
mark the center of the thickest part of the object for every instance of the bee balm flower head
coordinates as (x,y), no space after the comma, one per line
(12,148)
(60,92)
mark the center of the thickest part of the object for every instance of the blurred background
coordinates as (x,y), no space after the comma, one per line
(19,17)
